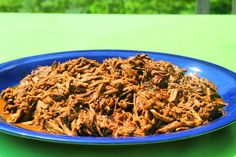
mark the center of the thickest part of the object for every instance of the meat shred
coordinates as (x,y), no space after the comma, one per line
(136,96)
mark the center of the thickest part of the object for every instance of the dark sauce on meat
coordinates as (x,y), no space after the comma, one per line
(6,116)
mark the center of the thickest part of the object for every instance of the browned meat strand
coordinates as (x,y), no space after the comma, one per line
(120,97)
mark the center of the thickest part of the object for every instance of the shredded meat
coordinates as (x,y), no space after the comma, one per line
(136,96)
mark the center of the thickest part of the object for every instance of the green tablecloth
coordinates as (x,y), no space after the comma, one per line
(207,37)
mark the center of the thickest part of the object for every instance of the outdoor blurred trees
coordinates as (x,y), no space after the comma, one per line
(112,6)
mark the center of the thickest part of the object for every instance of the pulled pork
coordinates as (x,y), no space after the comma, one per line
(136,96)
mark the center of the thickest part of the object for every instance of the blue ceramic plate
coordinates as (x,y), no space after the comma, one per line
(12,72)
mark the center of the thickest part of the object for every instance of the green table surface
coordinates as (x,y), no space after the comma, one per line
(207,37)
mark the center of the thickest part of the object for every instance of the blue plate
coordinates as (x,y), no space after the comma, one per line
(12,72)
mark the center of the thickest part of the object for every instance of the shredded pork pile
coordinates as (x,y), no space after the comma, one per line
(120,97)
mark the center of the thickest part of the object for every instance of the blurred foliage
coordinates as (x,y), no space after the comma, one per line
(111,6)
(221,6)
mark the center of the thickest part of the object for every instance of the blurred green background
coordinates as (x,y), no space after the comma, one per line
(112,6)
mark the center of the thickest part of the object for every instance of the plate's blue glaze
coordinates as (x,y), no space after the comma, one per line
(12,72)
